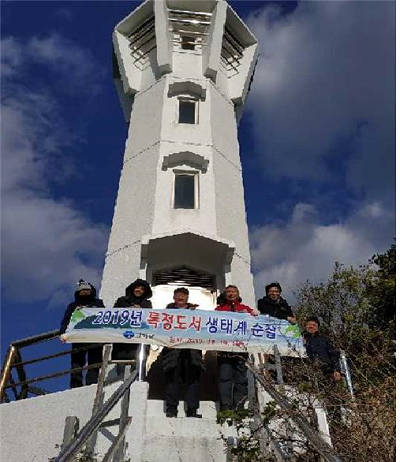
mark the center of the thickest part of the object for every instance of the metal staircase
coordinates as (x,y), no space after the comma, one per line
(208,433)
(87,436)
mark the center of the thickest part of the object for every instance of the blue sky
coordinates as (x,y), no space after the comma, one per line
(317,144)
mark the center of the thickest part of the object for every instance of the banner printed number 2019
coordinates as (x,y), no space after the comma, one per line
(99,318)
(107,317)
(118,317)
(104,317)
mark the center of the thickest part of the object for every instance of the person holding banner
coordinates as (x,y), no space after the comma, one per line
(182,365)
(85,296)
(232,367)
(137,295)
(274,305)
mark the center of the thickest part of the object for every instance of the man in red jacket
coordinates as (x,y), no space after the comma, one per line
(232,367)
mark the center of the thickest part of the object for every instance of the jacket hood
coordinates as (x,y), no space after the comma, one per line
(92,295)
(148,293)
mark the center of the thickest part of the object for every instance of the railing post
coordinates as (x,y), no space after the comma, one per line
(6,372)
(141,361)
(230,444)
(99,398)
(11,358)
(325,451)
(124,419)
(346,370)
(72,449)
(21,376)
(70,430)
(278,365)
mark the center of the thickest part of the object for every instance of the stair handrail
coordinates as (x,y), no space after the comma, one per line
(13,359)
(323,449)
(12,353)
(70,450)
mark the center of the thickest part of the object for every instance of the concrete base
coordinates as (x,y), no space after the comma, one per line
(32,429)
(184,439)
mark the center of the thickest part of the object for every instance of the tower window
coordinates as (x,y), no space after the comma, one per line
(186,191)
(187,112)
(187,43)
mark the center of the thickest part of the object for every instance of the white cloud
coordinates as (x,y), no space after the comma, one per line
(326,78)
(304,249)
(67,59)
(47,243)
(322,107)
(10,56)
(47,246)
(303,212)
(74,69)
(64,13)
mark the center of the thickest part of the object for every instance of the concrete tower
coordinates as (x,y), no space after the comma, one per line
(182,69)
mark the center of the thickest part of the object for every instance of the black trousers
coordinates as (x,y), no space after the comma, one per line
(122,351)
(78,359)
(187,373)
(333,400)
(232,381)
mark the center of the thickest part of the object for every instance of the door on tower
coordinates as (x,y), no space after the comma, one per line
(201,286)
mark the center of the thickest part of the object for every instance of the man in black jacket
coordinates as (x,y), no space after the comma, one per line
(274,305)
(182,365)
(137,295)
(319,348)
(85,296)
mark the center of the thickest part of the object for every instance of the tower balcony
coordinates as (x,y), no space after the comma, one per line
(188,39)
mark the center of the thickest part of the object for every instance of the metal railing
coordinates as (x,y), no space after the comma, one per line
(326,452)
(13,361)
(86,437)
(86,434)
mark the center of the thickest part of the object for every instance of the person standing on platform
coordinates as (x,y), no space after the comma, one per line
(320,349)
(231,366)
(137,295)
(85,297)
(182,365)
(274,305)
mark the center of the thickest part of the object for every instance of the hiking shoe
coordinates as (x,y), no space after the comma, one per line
(193,413)
(171,413)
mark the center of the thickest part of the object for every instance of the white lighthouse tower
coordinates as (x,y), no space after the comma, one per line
(183,70)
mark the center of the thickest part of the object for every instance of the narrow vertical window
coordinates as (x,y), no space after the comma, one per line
(187,112)
(185,191)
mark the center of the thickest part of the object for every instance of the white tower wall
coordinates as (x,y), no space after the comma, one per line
(156,71)
(150,236)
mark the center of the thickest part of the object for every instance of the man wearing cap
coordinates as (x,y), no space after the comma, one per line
(182,365)
(85,296)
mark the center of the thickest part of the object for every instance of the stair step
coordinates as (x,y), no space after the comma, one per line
(182,427)
(183,449)
(156,408)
